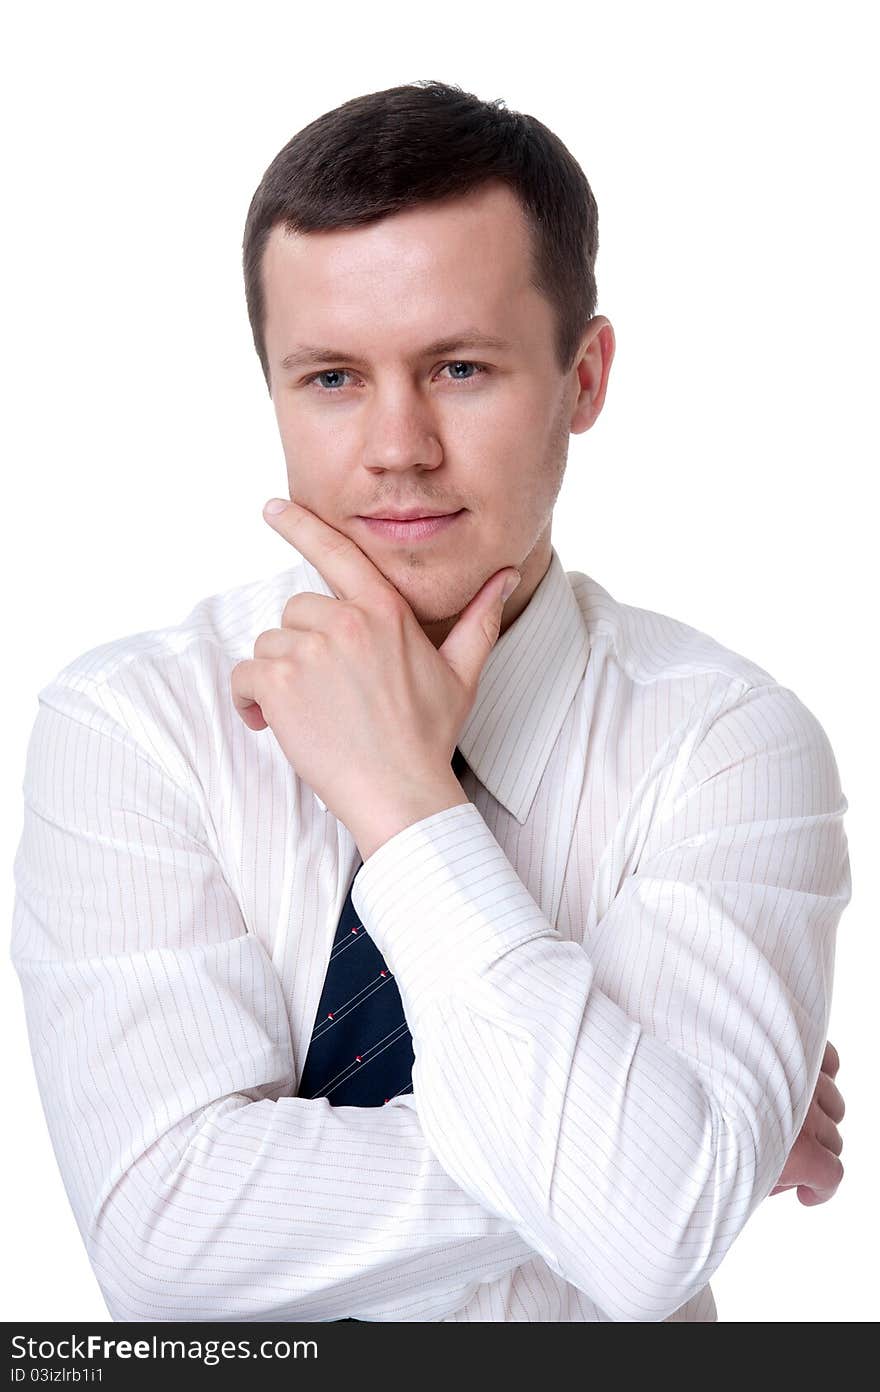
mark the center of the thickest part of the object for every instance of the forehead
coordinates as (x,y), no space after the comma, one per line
(450,257)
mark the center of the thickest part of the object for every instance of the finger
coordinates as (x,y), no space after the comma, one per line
(274,642)
(809,1197)
(827,1134)
(348,571)
(290,644)
(830,1060)
(468,645)
(829,1098)
(818,1169)
(247,686)
(309,610)
(253,718)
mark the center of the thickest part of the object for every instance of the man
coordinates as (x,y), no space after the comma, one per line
(599,858)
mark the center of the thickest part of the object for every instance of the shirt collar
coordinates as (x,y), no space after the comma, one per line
(525,691)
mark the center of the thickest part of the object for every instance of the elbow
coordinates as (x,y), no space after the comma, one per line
(743,1154)
(139,1281)
(658,1249)
(151,1257)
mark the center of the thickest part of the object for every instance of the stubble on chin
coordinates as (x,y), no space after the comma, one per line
(433,613)
(428,598)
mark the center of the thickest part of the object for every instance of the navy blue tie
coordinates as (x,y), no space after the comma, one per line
(361,1053)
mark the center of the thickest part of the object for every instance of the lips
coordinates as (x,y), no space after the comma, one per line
(409,514)
(418,528)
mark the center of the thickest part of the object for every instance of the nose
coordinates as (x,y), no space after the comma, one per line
(400,432)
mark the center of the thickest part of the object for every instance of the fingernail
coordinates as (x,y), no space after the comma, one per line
(275,505)
(510,585)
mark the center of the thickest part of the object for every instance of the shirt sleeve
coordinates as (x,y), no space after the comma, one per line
(203,1189)
(627,1103)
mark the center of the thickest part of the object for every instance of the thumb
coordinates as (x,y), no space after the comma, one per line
(476,633)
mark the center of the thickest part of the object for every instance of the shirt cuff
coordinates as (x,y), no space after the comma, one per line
(441,900)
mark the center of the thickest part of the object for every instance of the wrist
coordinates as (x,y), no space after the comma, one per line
(386,816)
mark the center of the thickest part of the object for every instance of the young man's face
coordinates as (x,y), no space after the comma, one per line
(385,425)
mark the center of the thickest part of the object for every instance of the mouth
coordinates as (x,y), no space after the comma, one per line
(411,528)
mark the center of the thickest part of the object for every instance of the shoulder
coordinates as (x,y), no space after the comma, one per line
(165,691)
(714,703)
(224,623)
(653,647)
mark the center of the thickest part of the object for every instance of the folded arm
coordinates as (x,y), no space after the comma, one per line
(161,1043)
(628,1102)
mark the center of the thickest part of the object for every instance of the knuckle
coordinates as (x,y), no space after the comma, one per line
(288,613)
(273,676)
(305,646)
(339,544)
(313,643)
(834,1173)
(267,643)
(391,604)
(349,620)
(831,1098)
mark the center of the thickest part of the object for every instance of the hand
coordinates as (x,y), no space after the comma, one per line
(365,708)
(812,1165)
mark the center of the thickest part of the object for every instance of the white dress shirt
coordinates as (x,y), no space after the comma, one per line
(616,962)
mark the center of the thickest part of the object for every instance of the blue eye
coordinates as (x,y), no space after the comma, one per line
(462,363)
(328,372)
(343,372)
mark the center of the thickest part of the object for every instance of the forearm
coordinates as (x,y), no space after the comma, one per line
(628,1145)
(161,1042)
(246,1209)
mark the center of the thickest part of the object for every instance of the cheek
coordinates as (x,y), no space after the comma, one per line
(315,466)
(508,425)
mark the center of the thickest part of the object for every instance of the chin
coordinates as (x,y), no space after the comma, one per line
(436,588)
(436,614)
(435,610)
(431,601)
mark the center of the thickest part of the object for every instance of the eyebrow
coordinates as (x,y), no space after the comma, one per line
(305,354)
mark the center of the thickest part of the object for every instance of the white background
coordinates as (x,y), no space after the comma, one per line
(729,481)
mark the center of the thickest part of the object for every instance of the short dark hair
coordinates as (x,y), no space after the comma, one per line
(385,151)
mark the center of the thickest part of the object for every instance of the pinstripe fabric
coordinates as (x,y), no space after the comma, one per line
(616,962)
(360,1053)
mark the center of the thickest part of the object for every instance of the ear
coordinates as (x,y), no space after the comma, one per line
(592,368)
